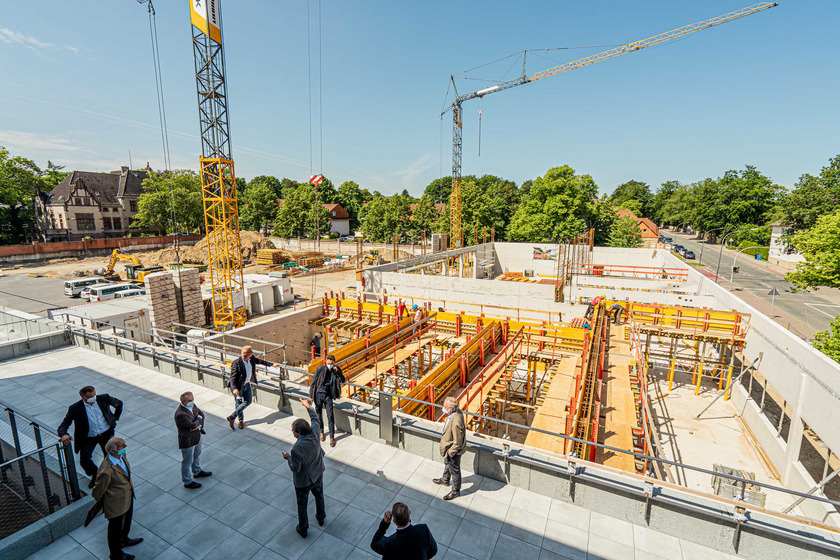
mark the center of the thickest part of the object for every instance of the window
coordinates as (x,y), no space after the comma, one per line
(84,222)
(117,223)
(132,205)
(61,221)
(106,223)
(77,201)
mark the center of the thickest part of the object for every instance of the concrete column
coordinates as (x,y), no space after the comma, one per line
(461,265)
(797,430)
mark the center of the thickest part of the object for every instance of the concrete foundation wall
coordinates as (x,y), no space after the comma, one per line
(632,257)
(292,328)
(518,257)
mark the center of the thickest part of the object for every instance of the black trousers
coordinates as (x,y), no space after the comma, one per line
(118,529)
(452,471)
(322,401)
(302,495)
(86,451)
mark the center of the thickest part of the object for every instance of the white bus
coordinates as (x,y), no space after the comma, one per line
(130,293)
(73,288)
(102,293)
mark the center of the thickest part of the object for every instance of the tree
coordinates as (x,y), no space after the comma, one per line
(18,178)
(633,191)
(559,206)
(296,217)
(820,246)
(287,187)
(258,207)
(603,218)
(326,192)
(269,181)
(828,342)
(52,176)
(352,198)
(625,232)
(440,189)
(813,197)
(378,221)
(426,218)
(178,190)
(665,191)
(486,203)
(633,205)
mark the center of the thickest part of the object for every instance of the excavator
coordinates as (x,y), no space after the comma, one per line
(134,269)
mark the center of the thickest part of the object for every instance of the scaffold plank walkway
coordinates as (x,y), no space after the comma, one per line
(551,416)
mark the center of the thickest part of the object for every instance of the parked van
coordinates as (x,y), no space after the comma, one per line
(102,293)
(73,288)
(130,293)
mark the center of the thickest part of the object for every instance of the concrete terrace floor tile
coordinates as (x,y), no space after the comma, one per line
(443,525)
(523,525)
(236,546)
(265,523)
(611,528)
(487,512)
(535,503)
(565,541)
(348,525)
(474,539)
(172,553)
(374,500)
(569,514)
(509,547)
(328,547)
(266,554)
(175,526)
(204,538)
(56,550)
(601,548)
(656,543)
(693,551)
(344,488)
(289,544)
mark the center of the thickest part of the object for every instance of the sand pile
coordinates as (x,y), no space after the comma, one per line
(251,241)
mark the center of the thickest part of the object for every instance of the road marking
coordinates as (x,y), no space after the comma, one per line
(814,307)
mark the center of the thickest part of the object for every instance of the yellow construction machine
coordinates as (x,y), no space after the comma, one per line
(134,269)
(372,258)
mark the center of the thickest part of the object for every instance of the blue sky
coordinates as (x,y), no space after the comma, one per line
(78,88)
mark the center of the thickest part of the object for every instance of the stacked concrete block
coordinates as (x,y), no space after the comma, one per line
(188,296)
(163,305)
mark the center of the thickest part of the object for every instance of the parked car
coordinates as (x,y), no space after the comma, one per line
(689,255)
(130,293)
(85,293)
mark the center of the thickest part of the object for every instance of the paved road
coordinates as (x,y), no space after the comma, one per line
(33,295)
(806,312)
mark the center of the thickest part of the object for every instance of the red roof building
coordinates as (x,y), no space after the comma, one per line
(649,230)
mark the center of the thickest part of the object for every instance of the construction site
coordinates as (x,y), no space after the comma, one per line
(595,381)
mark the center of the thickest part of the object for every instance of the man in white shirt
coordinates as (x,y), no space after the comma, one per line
(94,425)
(242,373)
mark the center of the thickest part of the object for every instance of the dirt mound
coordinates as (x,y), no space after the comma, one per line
(251,242)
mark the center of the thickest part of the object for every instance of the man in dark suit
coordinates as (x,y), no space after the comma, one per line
(243,372)
(306,462)
(326,386)
(453,444)
(93,425)
(190,423)
(410,542)
(115,491)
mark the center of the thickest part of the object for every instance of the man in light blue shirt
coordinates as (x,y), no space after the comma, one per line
(94,425)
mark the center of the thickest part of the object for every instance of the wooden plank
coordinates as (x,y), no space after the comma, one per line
(386,362)
(551,416)
(619,403)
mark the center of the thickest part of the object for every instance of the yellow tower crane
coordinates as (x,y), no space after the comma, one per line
(218,182)
(455,198)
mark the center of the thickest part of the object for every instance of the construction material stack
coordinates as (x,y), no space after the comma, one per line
(269,256)
(163,304)
(188,297)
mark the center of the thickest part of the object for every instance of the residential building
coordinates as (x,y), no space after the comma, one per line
(339,218)
(88,204)
(650,231)
(781,253)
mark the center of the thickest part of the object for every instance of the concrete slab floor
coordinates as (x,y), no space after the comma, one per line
(247,508)
(718,437)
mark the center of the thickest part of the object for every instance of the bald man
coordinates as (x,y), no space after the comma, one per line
(115,491)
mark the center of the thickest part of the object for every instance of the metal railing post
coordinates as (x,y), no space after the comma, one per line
(72,476)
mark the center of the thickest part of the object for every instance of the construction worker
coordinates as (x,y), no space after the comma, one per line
(418,316)
(401,310)
(616,310)
(315,344)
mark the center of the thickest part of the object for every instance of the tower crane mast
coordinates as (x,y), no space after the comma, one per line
(457,113)
(218,180)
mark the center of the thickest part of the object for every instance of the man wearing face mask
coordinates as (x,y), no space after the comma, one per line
(243,372)
(306,461)
(94,425)
(326,386)
(453,444)
(190,423)
(116,493)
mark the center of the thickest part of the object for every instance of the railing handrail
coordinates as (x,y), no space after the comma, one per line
(55,445)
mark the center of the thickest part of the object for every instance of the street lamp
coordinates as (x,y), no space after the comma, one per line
(717,270)
(703,241)
(732,274)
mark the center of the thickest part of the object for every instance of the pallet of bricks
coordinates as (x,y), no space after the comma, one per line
(188,296)
(269,256)
(163,305)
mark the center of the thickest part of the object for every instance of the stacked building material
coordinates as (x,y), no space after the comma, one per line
(188,296)
(163,305)
(269,256)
